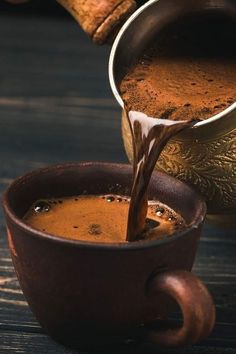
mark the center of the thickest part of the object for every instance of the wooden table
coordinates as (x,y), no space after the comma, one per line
(56,106)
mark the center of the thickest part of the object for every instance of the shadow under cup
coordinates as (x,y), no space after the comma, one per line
(90,294)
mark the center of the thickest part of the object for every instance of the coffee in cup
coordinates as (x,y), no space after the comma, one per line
(100,218)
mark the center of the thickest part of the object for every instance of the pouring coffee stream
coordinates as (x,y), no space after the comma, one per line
(149,135)
(147,131)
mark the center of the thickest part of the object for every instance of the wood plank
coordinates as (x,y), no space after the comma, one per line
(70,136)
(53,57)
(24,342)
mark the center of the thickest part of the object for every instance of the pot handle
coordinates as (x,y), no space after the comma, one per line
(99,18)
(195,302)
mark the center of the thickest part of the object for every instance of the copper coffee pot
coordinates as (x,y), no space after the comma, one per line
(203,156)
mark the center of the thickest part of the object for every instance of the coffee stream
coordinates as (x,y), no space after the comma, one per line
(149,136)
(102,218)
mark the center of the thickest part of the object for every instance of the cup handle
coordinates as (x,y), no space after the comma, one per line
(195,302)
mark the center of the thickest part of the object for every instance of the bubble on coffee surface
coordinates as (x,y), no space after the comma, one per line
(110,199)
(159,211)
(42,206)
(167,215)
(95,229)
(114,198)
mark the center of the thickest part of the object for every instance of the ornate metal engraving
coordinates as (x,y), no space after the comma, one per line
(208,165)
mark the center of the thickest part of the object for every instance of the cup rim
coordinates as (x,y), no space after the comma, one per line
(136,245)
(113,85)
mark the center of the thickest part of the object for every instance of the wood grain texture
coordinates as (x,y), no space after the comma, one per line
(24,342)
(56,106)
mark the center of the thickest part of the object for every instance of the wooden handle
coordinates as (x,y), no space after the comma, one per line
(99,18)
(195,302)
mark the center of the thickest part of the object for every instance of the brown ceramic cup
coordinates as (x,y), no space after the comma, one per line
(90,294)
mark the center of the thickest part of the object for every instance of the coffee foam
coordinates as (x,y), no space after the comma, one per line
(189,72)
(100,218)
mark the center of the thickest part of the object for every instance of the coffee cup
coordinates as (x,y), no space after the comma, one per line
(90,295)
(203,156)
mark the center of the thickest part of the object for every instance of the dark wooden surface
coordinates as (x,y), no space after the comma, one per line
(56,106)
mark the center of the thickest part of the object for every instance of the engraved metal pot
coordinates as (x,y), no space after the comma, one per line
(204,156)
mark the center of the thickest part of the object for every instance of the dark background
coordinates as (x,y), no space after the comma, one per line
(39,8)
(36,7)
